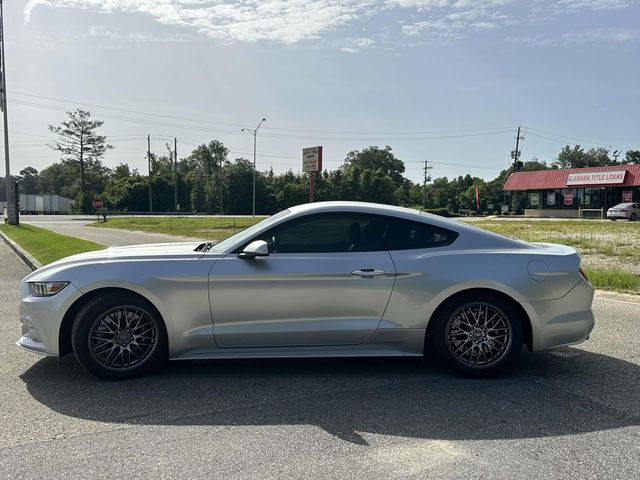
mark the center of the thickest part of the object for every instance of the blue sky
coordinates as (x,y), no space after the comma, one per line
(447,81)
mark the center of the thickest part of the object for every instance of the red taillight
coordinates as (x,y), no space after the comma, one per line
(584,275)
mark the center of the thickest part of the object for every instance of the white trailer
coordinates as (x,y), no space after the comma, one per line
(39,203)
(47,204)
(63,204)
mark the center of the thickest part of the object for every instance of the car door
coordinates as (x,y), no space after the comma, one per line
(326,282)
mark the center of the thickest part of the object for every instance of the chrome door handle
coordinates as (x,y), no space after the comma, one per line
(368,273)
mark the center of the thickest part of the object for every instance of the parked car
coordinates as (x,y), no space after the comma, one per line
(334,279)
(629,211)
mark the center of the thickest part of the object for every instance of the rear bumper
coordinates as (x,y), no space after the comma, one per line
(564,321)
(622,215)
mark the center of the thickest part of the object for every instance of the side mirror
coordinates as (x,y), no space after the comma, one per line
(259,248)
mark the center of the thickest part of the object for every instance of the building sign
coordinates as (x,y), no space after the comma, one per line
(551,198)
(596,178)
(312,159)
(534,199)
(568,198)
(627,196)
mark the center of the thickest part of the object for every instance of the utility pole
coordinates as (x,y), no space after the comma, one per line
(175,174)
(515,155)
(427,178)
(149,166)
(12,203)
(221,183)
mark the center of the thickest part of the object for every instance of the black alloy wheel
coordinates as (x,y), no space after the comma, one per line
(118,336)
(478,335)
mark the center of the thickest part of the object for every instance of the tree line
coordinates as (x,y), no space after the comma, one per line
(209,182)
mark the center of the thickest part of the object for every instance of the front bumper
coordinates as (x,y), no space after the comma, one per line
(41,318)
(564,321)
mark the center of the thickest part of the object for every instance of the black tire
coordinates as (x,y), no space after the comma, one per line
(633,217)
(613,219)
(119,336)
(451,337)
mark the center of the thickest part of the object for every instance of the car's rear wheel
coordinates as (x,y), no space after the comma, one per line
(118,336)
(633,217)
(477,335)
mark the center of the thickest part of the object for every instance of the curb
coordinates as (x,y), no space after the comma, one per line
(621,297)
(26,257)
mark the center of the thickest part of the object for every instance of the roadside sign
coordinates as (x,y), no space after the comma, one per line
(312,159)
(551,198)
(504,208)
(627,196)
(98,203)
(568,198)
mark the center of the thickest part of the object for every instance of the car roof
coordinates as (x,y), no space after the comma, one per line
(335,206)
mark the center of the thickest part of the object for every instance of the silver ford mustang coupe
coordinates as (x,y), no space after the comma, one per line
(332,279)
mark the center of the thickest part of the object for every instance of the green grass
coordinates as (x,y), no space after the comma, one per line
(609,250)
(199,227)
(614,279)
(45,245)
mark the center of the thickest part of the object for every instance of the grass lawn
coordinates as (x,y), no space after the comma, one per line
(45,245)
(609,250)
(199,227)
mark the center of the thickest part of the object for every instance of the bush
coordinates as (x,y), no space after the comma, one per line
(443,212)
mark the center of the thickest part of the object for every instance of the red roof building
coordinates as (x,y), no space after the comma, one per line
(545,179)
(565,193)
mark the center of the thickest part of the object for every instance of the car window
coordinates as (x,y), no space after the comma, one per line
(329,233)
(408,235)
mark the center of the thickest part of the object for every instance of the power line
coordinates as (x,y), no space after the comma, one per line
(238,125)
(269,135)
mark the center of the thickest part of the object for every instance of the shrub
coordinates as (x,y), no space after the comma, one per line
(443,212)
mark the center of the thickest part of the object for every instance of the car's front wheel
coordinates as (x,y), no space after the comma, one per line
(118,336)
(477,335)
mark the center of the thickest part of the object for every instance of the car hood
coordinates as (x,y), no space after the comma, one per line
(155,251)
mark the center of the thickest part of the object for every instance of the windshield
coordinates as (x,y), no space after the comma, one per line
(246,234)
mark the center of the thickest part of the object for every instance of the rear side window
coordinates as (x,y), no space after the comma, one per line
(407,235)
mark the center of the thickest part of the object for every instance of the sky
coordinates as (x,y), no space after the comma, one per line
(447,81)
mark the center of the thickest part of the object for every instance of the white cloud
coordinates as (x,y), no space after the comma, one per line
(585,37)
(293,21)
(577,5)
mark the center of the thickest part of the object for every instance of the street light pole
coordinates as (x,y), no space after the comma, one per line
(254,132)
(12,210)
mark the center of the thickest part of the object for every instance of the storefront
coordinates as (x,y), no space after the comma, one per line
(574,192)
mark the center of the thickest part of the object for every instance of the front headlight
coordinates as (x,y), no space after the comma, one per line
(46,289)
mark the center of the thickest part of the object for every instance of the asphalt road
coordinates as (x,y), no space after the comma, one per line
(77,226)
(568,413)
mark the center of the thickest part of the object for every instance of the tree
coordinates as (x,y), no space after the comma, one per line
(205,176)
(632,156)
(578,157)
(80,146)
(29,180)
